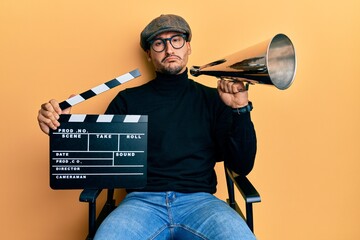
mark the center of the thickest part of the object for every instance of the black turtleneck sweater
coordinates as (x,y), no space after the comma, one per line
(189,130)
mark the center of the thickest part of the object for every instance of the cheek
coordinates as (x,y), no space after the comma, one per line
(153,59)
(156,63)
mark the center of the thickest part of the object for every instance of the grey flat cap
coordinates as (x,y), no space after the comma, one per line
(164,23)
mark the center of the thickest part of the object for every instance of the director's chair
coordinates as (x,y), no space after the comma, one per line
(247,190)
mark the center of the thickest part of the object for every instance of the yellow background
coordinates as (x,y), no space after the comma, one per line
(308,136)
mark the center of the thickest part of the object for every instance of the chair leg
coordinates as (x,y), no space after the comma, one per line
(92,220)
(110,194)
(249,216)
(231,193)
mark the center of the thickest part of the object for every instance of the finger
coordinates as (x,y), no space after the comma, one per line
(55,105)
(47,121)
(48,118)
(233,87)
(219,85)
(48,115)
(48,110)
(44,128)
(228,86)
(238,87)
(223,86)
(47,106)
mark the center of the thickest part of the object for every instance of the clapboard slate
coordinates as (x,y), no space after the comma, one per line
(99,151)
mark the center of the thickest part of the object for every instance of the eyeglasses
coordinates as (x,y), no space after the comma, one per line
(176,41)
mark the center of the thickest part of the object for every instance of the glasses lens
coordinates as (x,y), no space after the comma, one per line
(158,45)
(177,42)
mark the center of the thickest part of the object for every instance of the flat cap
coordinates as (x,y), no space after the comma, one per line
(164,23)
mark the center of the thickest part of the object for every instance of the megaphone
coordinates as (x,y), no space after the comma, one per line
(271,62)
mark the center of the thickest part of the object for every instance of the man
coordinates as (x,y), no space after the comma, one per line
(190,127)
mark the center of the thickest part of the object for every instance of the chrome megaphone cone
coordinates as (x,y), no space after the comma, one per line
(272,62)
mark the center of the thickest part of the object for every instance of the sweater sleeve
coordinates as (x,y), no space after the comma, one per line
(241,149)
(235,139)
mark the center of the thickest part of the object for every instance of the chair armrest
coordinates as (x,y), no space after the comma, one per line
(89,195)
(247,190)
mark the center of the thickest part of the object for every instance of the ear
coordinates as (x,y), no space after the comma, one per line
(148,54)
(189,47)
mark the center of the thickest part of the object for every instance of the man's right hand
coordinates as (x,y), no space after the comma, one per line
(49,114)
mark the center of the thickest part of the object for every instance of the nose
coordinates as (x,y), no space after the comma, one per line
(168,46)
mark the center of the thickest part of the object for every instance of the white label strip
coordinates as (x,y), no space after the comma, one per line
(124,78)
(132,118)
(75,100)
(77,118)
(105,118)
(100,89)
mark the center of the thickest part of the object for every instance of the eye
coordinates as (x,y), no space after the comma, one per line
(157,43)
(176,39)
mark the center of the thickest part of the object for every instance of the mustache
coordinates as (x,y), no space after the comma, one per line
(166,57)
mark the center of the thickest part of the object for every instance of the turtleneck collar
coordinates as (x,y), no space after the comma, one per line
(168,82)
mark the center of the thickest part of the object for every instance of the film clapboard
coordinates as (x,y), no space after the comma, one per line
(99,151)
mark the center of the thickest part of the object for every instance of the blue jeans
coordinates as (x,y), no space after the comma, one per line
(173,215)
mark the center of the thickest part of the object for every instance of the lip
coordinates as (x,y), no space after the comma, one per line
(171,58)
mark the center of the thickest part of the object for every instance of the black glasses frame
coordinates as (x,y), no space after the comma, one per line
(164,40)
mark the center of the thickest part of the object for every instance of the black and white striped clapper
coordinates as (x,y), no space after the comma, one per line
(99,151)
(99,89)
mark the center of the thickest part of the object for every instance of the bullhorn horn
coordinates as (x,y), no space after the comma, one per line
(271,62)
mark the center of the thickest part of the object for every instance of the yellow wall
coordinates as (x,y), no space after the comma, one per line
(308,136)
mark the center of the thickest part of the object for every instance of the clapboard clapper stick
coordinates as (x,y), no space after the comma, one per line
(99,89)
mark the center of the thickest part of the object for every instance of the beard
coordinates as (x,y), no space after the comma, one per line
(171,70)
